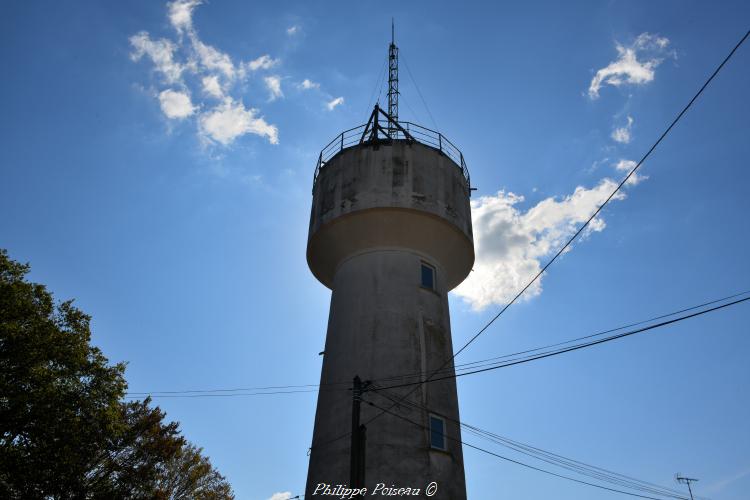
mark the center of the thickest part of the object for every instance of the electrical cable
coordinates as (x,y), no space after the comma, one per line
(485,362)
(574,347)
(607,200)
(517,462)
(542,355)
(281,389)
(599,209)
(213,394)
(552,458)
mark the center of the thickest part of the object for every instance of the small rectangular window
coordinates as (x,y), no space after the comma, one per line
(437,433)
(428,276)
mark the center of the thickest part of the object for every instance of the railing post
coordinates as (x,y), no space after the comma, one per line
(342,142)
(317,169)
(440,141)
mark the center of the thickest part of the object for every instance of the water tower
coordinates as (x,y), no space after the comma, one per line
(390,235)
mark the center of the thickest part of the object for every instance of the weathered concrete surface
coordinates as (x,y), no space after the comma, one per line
(376,216)
(407,196)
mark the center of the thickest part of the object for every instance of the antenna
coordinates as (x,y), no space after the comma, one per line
(392,83)
(685,480)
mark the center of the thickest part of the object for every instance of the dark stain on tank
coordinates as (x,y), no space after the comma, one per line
(399,172)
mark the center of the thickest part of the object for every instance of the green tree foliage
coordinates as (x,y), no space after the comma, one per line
(188,474)
(65,431)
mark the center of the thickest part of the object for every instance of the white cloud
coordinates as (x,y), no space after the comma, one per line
(308,84)
(231,120)
(181,14)
(335,102)
(627,68)
(212,59)
(281,496)
(212,87)
(161,52)
(622,134)
(292,30)
(627,166)
(273,84)
(647,41)
(176,105)
(216,77)
(263,62)
(510,244)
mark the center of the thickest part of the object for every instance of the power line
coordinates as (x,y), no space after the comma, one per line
(599,209)
(471,365)
(574,347)
(553,458)
(517,462)
(527,359)
(616,190)
(214,395)
(312,387)
(153,393)
(485,362)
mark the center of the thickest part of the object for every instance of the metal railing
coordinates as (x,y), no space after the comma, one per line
(372,132)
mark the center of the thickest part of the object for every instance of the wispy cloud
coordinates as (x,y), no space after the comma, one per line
(213,60)
(335,102)
(625,166)
(510,243)
(181,14)
(175,104)
(212,87)
(623,134)
(719,485)
(628,68)
(273,84)
(223,117)
(307,84)
(162,55)
(292,30)
(263,62)
(281,496)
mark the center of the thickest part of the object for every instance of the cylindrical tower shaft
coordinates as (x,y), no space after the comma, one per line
(382,323)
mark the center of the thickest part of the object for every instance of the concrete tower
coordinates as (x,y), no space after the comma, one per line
(390,235)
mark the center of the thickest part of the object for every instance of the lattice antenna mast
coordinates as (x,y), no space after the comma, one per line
(393,84)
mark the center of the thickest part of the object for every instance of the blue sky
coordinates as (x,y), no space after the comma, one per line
(157,162)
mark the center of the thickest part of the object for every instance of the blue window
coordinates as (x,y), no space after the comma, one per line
(437,433)
(428,276)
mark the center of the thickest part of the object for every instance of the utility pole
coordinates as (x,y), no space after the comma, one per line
(685,480)
(359,437)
